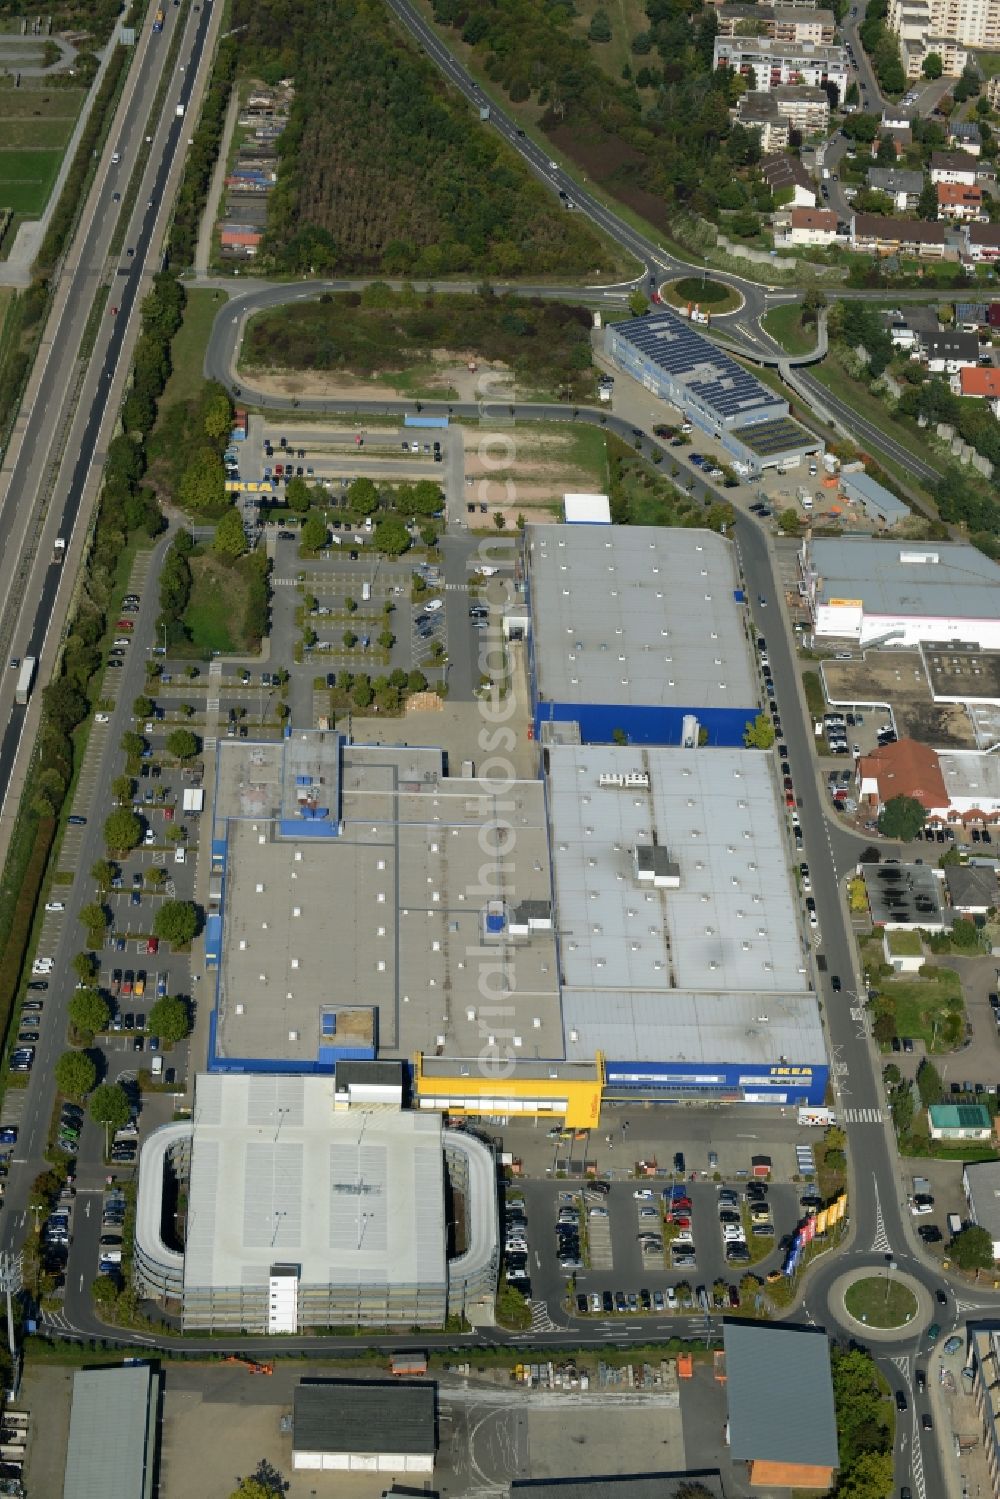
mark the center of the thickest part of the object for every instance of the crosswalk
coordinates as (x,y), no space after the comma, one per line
(862,1116)
(540,1319)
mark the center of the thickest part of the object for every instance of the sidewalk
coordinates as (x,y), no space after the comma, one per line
(203,252)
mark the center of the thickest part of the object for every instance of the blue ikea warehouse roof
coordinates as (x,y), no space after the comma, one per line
(686,356)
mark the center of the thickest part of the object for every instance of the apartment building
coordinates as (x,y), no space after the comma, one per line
(954,166)
(947,27)
(786,108)
(811,226)
(778,22)
(772,63)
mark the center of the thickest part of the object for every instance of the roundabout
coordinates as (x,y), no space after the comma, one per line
(880,1301)
(888,1303)
(715,297)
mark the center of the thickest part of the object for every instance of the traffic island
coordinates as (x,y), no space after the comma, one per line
(713,297)
(880,1299)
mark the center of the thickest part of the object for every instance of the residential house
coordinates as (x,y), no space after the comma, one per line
(241,239)
(771,63)
(958,203)
(874,234)
(982,242)
(904,768)
(913,324)
(979,385)
(894,117)
(904,188)
(960,1121)
(965,135)
(812,226)
(946,353)
(972,888)
(788,178)
(954,166)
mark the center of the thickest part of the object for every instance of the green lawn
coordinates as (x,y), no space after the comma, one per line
(26,179)
(784,324)
(881,1301)
(858,396)
(213,608)
(928,1009)
(716,296)
(187,352)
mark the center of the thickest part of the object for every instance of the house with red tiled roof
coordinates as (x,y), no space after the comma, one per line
(958,202)
(904,768)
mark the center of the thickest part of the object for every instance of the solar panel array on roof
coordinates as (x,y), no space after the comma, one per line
(685,355)
(775,436)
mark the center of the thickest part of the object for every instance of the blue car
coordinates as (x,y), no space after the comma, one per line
(8,1134)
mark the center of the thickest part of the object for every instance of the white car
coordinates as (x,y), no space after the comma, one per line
(102,717)
(55,905)
(919,1209)
(672,1302)
(433,605)
(42,965)
(595,1301)
(124,641)
(813,919)
(150,837)
(643,1193)
(489,572)
(643,1212)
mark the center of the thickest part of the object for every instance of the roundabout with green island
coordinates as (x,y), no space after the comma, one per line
(711,296)
(880,1301)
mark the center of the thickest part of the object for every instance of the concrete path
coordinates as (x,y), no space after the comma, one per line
(203,254)
(10,46)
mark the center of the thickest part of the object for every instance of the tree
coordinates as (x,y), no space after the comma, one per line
(929,1084)
(972,1248)
(264,1483)
(391,536)
(600,26)
(182,744)
(109,1105)
(93,916)
(788,521)
(350,640)
(362,496)
(297,496)
(230,538)
(104,1291)
(812,304)
(868,1477)
(202,488)
(218,416)
(132,745)
(75,1074)
(88,1011)
(313,534)
(927,203)
(86,967)
(425,498)
(759,734)
(902,817)
(176,922)
(170,1019)
(884,1027)
(637,303)
(387,640)
(102,872)
(499,520)
(142,706)
(122,831)
(123,790)
(932,66)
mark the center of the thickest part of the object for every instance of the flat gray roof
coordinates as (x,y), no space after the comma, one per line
(355,1198)
(780,1395)
(864,487)
(922,580)
(637,614)
(971,777)
(685,355)
(365,1416)
(730,922)
(983,1178)
(112,1429)
(904,894)
(670,1025)
(385,923)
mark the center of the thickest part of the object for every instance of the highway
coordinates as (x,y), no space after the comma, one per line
(56,444)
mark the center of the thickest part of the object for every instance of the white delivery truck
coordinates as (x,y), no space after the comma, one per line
(813,1115)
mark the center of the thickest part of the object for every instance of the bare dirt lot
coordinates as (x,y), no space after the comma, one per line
(448,379)
(899,678)
(518,471)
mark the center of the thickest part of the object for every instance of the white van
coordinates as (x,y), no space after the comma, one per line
(180,856)
(157,1065)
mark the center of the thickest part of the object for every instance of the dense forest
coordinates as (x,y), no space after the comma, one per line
(384,169)
(679,151)
(381,332)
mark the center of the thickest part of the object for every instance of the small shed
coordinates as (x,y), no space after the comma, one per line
(879,504)
(364,1426)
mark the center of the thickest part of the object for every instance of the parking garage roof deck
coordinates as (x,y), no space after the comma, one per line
(387,920)
(636,614)
(726,917)
(352,1198)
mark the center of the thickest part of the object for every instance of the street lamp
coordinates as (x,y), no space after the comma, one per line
(890,1265)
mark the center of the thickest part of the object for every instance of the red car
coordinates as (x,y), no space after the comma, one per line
(125,624)
(680,1205)
(679,1220)
(153,945)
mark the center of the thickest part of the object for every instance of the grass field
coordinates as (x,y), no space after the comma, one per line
(880,1301)
(784,324)
(187,352)
(928,1009)
(26,179)
(628,18)
(218,599)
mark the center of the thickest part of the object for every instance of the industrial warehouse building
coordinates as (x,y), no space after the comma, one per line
(304,1212)
(782,1422)
(900,593)
(112,1434)
(673,361)
(364,1426)
(639,631)
(683,959)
